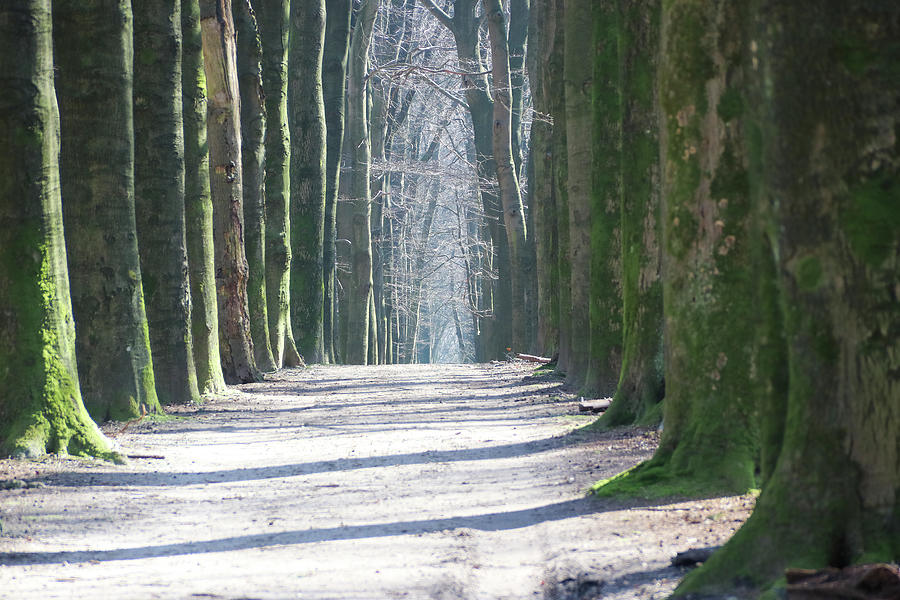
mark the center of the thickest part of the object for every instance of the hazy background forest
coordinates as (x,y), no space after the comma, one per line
(690,206)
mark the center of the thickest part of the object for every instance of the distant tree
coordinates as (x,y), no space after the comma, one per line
(40,401)
(94,81)
(224,135)
(159,197)
(198,206)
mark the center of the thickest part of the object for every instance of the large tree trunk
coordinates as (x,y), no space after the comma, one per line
(198,206)
(713,377)
(542,203)
(308,186)
(273,18)
(97,178)
(507,174)
(40,401)
(640,386)
(253,170)
(358,153)
(578,79)
(828,90)
(159,197)
(334,71)
(605,360)
(224,130)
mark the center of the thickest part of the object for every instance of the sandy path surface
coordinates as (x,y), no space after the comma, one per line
(432,481)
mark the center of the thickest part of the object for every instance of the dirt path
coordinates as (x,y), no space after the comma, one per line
(459,481)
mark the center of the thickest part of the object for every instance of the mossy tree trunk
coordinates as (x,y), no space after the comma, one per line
(159,197)
(273,19)
(334,71)
(308,178)
(253,171)
(542,202)
(198,206)
(94,81)
(640,386)
(605,358)
(828,87)
(357,151)
(40,402)
(710,244)
(224,135)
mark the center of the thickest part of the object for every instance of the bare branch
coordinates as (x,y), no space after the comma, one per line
(438,13)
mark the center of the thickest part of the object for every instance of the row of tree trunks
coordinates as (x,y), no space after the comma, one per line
(308,177)
(93,81)
(198,205)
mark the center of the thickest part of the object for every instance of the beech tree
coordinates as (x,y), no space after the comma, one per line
(159,197)
(40,399)
(94,80)
(224,136)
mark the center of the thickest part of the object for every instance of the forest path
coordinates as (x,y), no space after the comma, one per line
(413,481)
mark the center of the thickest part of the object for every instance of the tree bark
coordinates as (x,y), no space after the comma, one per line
(507,177)
(160,199)
(224,131)
(826,91)
(359,160)
(97,178)
(578,78)
(308,184)
(253,171)
(334,72)
(640,387)
(273,18)
(198,206)
(40,402)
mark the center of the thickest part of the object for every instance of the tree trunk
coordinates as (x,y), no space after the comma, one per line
(97,178)
(273,18)
(308,185)
(518,36)
(360,279)
(507,178)
(224,130)
(542,203)
(159,197)
(198,206)
(253,171)
(710,253)
(40,401)
(640,387)
(827,92)
(578,79)
(334,72)
(605,360)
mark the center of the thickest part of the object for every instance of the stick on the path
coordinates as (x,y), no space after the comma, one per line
(537,359)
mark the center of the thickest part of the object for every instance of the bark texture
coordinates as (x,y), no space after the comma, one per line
(224,134)
(829,168)
(253,169)
(273,18)
(94,81)
(308,187)
(159,197)
(198,206)
(40,402)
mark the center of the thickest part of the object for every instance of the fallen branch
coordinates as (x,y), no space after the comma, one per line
(156,456)
(594,406)
(536,359)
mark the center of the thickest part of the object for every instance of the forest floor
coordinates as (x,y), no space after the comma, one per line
(431,481)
